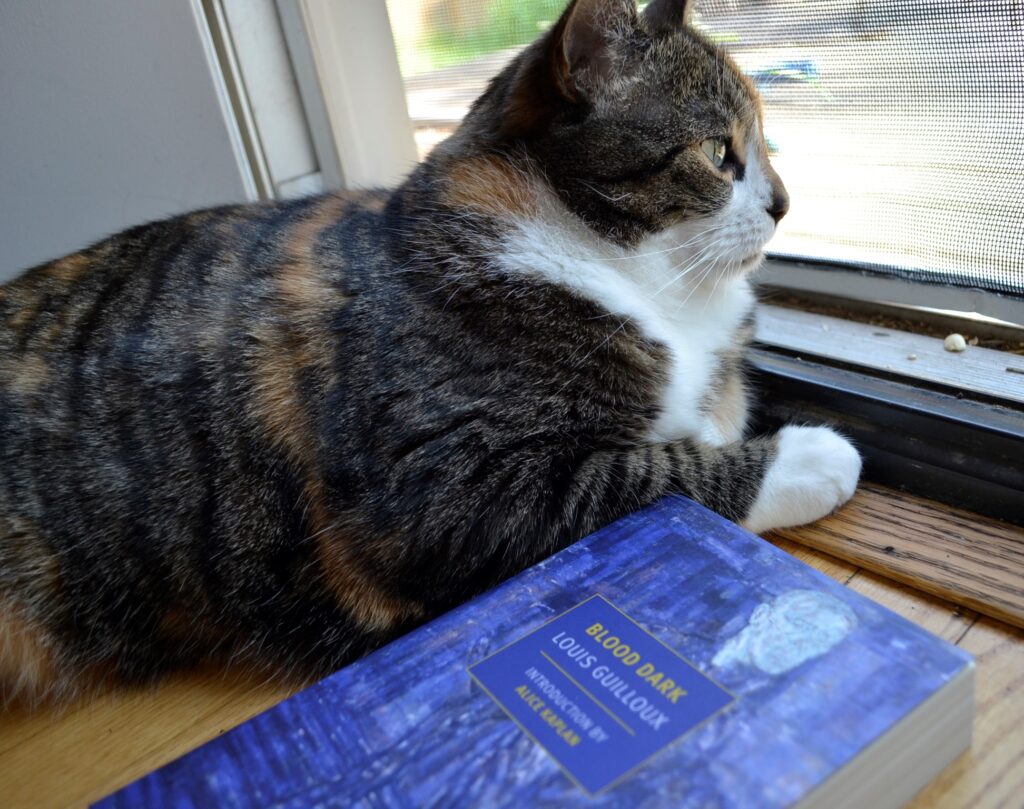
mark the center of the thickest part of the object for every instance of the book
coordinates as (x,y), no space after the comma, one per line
(669,659)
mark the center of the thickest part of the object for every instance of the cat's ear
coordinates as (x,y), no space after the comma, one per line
(666,16)
(566,66)
(585,53)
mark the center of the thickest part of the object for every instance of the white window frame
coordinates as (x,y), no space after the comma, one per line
(347,68)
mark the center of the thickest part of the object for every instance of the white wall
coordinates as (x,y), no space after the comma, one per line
(110,115)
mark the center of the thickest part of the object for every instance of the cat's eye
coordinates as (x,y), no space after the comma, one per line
(715,149)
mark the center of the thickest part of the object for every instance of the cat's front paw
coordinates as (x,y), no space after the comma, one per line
(814,472)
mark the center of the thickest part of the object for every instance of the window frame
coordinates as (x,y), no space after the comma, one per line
(933,439)
(347,69)
(935,443)
(864,284)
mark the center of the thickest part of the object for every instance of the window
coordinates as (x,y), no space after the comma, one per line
(449,50)
(896,125)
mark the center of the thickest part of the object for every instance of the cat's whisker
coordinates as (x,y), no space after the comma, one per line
(726,270)
(688,266)
(694,262)
(626,257)
(700,252)
(700,280)
(666,250)
(650,254)
(603,195)
(596,348)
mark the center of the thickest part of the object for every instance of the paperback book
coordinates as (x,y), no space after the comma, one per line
(670,659)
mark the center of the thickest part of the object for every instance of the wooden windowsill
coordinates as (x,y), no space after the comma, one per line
(983,371)
(69,758)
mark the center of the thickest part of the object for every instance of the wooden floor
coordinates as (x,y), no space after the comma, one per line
(71,758)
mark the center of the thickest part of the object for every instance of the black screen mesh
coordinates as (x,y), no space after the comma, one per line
(897,125)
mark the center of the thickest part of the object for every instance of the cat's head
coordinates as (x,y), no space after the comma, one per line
(645,129)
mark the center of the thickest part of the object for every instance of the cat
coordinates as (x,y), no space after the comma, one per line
(278,435)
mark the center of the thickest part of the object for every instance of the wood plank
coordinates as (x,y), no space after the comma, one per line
(940,617)
(996,373)
(991,773)
(970,560)
(838,569)
(76,755)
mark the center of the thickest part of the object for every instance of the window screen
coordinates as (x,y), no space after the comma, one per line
(897,125)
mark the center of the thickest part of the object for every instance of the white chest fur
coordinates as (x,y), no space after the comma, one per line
(694,333)
(694,314)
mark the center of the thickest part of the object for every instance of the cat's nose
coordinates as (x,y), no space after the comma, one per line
(780,204)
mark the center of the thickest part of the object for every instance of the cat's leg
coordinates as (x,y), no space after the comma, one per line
(36,665)
(794,477)
(815,470)
(499,513)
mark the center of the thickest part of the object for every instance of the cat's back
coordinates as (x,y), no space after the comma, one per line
(151,270)
(133,305)
(113,357)
(151,388)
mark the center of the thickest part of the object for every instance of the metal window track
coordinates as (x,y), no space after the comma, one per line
(865,284)
(934,442)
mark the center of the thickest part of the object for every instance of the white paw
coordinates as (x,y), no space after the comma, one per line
(815,471)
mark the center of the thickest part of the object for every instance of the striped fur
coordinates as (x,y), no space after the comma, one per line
(278,435)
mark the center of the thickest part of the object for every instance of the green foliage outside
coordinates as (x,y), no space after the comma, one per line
(503,24)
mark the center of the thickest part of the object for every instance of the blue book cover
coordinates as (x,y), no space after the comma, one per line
(670,659)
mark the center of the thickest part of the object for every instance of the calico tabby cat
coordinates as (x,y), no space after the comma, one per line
(281,434)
